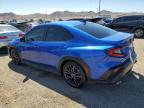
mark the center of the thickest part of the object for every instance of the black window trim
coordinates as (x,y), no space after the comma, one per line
(72,37)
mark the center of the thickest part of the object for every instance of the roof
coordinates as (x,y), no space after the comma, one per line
(133,16)
(65,23)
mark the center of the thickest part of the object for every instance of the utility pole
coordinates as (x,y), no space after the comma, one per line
(46,15)
(99,7)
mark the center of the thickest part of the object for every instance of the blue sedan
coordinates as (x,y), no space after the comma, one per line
(77,50)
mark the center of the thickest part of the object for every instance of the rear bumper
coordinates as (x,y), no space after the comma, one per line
(115,74)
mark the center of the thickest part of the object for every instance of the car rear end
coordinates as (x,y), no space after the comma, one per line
(7,34)
(109,63)
(121,56)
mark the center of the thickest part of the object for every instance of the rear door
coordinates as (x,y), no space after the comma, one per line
(30,49)
(56,41)
(126,24)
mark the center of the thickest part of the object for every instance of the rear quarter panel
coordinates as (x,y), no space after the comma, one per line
(96,59)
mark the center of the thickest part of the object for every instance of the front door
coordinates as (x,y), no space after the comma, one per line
(30,49)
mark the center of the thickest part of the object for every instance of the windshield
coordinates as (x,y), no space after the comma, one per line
(96,30)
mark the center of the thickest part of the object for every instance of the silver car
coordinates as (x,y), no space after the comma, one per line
(7,34)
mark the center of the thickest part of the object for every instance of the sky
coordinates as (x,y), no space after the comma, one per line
(49,6)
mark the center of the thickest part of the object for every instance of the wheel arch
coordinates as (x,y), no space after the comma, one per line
(138,27)
(84,66)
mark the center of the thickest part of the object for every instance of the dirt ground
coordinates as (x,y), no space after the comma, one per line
(26,87)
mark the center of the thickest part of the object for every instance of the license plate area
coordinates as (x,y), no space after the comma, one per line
(130,56)
(131,53)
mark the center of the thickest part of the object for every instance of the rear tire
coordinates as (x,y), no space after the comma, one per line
(139,33)
(74,74)
(15,56)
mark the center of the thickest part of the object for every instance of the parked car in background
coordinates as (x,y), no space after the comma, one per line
(7,34)
(74,49)
(3,22)
(107,20)
(98,20)
(133,24)
(23,26)
(32,24)
(101,20)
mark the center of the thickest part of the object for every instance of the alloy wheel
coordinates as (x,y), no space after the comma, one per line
(74,74)
(139,33)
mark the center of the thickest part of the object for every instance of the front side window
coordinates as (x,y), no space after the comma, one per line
(56,33)
(36,34)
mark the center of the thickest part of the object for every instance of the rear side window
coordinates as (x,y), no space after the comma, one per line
(96,30)
(56,33)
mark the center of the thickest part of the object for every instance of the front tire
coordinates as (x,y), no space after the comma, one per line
(139,33)
(15,56)
(74,74)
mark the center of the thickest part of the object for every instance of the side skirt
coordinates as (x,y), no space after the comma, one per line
(43,67)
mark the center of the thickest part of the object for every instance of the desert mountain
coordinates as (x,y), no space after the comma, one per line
(64,15)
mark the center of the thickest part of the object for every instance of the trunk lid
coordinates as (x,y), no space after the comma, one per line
(119,39)
(124,41)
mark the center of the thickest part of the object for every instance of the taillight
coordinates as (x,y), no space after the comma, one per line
(115,52)
(21,35)
(3,37)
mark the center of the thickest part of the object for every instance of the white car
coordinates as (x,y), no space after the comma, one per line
(7,34)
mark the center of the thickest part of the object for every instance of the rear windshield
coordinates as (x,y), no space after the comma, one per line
(7,28)
(96,30)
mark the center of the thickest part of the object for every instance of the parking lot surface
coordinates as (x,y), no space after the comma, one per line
(27,87)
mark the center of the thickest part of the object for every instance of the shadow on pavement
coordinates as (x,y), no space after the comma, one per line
(129,94)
